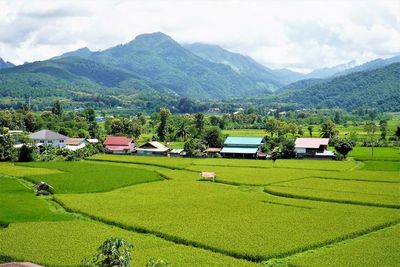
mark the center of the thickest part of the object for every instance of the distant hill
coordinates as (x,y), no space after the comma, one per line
(63,76)
(81,52)
(328,72)
(374,64)
(378,88)
(241,64)
(5,64)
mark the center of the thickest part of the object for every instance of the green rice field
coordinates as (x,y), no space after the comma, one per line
(292,213)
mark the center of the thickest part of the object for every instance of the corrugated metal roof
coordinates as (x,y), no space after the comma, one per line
(153,145)
(233,140)
(311,142)
(239,150)
(118,140)
(47,135)
(74,141)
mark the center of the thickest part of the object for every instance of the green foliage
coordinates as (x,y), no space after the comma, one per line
(113,252)
(213,137)
(344,146)
(195,147)
(376,88)
(328,130)
(7,150)
(162,129)
(27,153)
(57,108)
(157,263)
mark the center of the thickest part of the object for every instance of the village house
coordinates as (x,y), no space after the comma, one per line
(75,143)
(119,145)
(242,147)
(213,151)
(47,137)
(177,152)
(313,148)
(152,148)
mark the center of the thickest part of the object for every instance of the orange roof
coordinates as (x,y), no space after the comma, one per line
(74,141)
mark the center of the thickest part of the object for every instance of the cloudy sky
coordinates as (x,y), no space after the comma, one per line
(300,35)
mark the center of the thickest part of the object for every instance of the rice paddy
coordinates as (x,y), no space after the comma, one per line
(297,212)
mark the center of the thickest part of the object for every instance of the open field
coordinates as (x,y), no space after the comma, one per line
(19,204)
(380,154)
(82,177)
(376,249)
(301,212)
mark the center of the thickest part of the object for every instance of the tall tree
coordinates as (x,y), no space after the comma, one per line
(183,130)
(310,130)
(162,129)
(383,129)
(328,129)
(213,137)
(199,123)
(7,151)
(57,108)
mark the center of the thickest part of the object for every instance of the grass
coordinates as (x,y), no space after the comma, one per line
(380,154)
(382,166)
(18,203)
(83,177)
(253,176)
(341,190)
(171,163)
(376,249)
(68,243)
(190,222)
(227,220)
(9,168)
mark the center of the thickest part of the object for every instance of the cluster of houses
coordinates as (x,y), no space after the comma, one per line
(234,147)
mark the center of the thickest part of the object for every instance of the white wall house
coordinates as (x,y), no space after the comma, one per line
(75,143)
(47,137)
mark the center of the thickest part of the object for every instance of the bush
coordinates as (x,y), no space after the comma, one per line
(114,252)
(157,263)
(27,153)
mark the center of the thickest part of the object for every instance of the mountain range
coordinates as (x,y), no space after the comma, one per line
(5,64)
(156,65)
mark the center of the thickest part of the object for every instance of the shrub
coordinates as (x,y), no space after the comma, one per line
(114,252)
(157,263)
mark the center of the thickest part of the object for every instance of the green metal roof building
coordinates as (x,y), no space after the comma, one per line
(242,147)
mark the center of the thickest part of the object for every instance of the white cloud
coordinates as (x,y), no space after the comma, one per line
(302,35)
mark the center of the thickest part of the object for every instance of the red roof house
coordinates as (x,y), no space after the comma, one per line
(119,144)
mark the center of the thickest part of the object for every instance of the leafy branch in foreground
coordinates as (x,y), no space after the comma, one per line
(114,252)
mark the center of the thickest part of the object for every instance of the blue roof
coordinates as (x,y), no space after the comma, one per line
(243,141)
(240,150)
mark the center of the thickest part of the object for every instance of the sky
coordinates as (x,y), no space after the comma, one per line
(299,35)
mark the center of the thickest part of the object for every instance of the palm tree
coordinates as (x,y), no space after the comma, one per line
(328,129)
(183,131)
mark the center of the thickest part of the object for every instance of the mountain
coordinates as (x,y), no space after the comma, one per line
(327,72)
(374,64)
(159,58)
(241,64)
(288,76)
(66,77)
(5,64)
(378,88)
(81,52)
